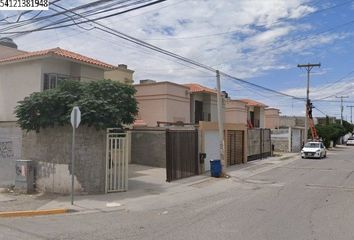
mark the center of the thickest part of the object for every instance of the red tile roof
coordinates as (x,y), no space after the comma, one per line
(197,88)
(60,53)
(252,103)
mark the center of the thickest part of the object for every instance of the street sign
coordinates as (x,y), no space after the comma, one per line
(75,117)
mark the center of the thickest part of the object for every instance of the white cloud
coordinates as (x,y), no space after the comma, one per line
(246,38)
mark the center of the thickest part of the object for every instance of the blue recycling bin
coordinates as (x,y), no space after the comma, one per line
(215,168)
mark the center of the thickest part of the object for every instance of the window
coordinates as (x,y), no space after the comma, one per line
(52,80)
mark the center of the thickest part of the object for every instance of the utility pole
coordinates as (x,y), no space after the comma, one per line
(351,113)
(308,68)
(220,123)
(341,108)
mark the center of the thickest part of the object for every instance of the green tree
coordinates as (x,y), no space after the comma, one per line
(348,126)
(330,132)
(103,104)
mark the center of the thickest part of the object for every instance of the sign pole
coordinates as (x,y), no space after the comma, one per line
(75,120)
(73,160)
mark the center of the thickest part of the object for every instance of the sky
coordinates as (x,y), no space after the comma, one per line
(259,41)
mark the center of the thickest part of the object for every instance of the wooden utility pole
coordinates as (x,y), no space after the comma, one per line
(341,108)
(351,113)
(308,68)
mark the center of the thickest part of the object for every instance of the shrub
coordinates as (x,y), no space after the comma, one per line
(103,104)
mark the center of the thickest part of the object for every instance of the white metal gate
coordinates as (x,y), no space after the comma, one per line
(117,161)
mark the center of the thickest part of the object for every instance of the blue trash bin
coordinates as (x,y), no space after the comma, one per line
(215,168)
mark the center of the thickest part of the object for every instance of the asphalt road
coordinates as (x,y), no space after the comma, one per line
(305,199)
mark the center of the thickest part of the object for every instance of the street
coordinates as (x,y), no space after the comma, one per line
(304,199)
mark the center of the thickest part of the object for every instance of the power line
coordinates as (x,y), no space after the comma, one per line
(152,47)
(336,81)
(48,27)
(155,48)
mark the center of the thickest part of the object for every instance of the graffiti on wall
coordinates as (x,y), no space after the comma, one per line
(6,149)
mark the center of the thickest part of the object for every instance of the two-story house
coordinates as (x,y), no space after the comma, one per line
(162,102)
(24,73)
(203,103)
(255,113)
(171,102)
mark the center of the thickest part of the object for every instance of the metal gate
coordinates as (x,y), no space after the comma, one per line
(259,144)
(116,161)
(181,154)
(235,146)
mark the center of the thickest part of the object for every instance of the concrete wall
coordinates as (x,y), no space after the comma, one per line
(148,148)
(163,101)
(287,121)
(281,139)
(287,139)
(51,151)
(294,121)
(296,139)
(10,151)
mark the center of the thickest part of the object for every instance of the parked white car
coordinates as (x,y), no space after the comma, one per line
(314,150)
(350,141)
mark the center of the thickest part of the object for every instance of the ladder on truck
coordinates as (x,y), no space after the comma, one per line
(311,123)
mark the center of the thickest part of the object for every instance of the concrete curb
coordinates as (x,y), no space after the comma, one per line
(32,213)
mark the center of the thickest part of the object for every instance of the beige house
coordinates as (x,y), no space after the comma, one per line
(255,113)
(28,72)
(203,103)
(121,74)
(235,112)
(272,118)
(162,101)
(171,102)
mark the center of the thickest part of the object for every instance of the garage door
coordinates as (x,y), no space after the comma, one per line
(235,147)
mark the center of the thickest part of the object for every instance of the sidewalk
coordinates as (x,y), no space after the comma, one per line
(146,191)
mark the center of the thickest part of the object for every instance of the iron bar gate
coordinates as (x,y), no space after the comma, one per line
(116,161)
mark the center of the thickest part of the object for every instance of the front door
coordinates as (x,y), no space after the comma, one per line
(198,111)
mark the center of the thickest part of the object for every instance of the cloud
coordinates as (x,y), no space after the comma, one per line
(246,38)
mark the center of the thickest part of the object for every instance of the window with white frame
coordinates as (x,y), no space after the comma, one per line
(52,80)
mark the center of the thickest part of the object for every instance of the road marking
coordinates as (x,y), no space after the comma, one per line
(32,213)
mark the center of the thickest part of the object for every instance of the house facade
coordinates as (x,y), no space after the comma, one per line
(203,103)
(25,73)
(236,111)
(121,74)
(272,118)
(255,113)
(162,101)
